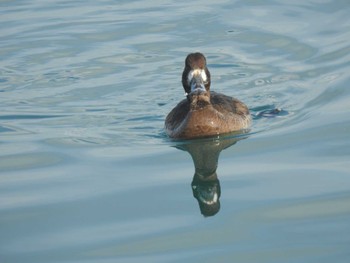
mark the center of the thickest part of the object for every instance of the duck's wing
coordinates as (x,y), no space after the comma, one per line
(177,115)
(226,104)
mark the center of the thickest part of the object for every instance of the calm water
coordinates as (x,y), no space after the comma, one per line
(88,175)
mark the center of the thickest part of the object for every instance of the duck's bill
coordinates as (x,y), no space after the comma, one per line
(197,85)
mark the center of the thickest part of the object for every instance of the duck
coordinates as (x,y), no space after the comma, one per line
(204,113)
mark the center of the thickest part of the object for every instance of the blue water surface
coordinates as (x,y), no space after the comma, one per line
(87,173)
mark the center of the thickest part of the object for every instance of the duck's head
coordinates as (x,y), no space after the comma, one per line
(196,76)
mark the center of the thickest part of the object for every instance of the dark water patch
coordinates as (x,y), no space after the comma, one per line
(240,74)
(271,113)
(159,135)
(95,110)
(143,128)
(28,117)
(268,111)
(91,141)
(5,129)
(233,31)
(223,65)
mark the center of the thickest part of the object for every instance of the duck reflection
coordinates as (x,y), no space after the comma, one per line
(205,184)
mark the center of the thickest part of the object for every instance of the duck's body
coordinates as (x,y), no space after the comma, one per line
(223,114)
(204,113)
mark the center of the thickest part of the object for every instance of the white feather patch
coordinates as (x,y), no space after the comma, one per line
(197,72)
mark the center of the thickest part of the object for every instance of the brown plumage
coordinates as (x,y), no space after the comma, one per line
(204,113)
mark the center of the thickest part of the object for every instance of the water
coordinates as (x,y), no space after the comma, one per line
(88,175)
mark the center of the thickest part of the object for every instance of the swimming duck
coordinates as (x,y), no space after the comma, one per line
(204,113)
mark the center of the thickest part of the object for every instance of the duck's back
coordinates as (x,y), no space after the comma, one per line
(228,105)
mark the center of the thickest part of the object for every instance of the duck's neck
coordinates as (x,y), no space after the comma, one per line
(200,101)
